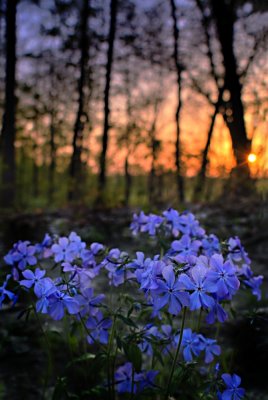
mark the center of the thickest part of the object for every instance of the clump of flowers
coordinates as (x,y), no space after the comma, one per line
(148,325)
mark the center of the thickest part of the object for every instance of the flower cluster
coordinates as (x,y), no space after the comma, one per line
(195,273)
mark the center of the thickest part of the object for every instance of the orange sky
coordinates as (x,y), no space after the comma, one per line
(194,127)
(195,119)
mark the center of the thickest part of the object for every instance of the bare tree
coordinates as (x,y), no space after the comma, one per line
(224,15)
(206,22)
(178,66)
(154,145)
(105,135)
(81,116)
(220,106)
(9,117)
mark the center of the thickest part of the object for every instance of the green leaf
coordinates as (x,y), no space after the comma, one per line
(119,342)
(134,355)
(127,321)
(84,357)
(158,356)
(60,389)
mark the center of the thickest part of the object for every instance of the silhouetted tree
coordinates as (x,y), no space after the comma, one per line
(82,115)
(154,145)
(9,116)
(110,55)
(178,65)
(224,14)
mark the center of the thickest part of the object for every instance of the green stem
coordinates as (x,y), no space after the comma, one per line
(176,354)
(217,331)
(109,364)
(199,320)
(49,361)
(113,369)
(87,331)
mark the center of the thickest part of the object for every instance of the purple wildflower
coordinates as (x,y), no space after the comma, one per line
(65,250)
(4,293)
(233,391)
(237,252)
(211,349)
(99,328)
(21,255)
(191,344)
(59,301)
(222,277)
(172,291)
(210,245)
(33,278)
(185,246)
(198,284)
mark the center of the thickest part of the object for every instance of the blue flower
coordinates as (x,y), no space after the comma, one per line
(217,312)
(253,282)
(185,246)
(153,223)
(4,293)
(233,391)
(65,250)
(123,379)
(33,278)
(99,328)
(188,224)
(146,379)
(44,248)
(173,219)
(58,302)
(211,349)
(74,238)
(115,262)
(21,255)
(145,346)
(46,288)
(222,277)
(191,344)
(140,265)
(172,291)
(89,303)
(138,223)
(167,335)
(237,252)
(150,274)
(79,276)
(198,284)
(142,380)
(210,245)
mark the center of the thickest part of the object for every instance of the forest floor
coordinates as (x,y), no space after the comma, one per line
(247,334)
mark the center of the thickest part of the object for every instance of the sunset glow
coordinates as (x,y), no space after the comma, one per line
(252,158)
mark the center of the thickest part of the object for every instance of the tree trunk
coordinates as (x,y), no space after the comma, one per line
(52,166)
(180,180)
(202,173)
(9,116)
(128,181)
(75,166)
(102,174)
(224,17)
(154,147)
